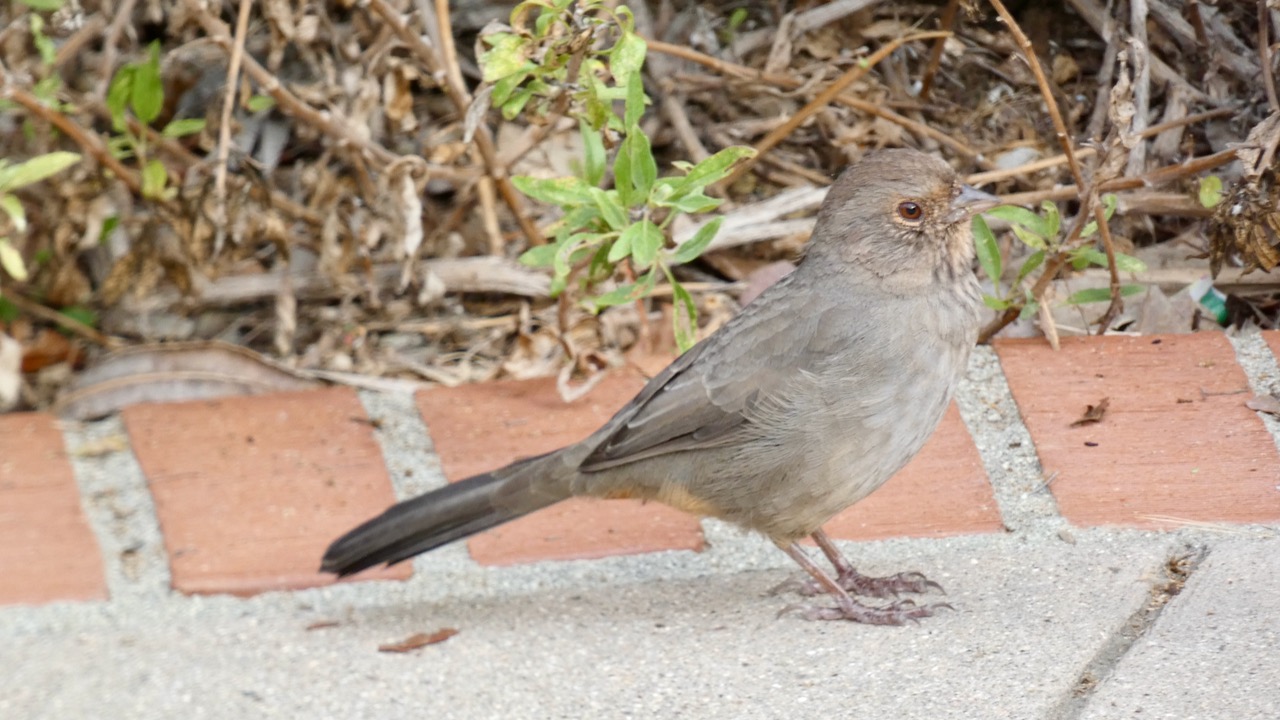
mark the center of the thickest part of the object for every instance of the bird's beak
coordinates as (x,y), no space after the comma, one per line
(970,200)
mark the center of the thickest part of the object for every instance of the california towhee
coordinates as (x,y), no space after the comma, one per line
(804,403)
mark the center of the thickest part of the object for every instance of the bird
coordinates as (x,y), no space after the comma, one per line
(809,399)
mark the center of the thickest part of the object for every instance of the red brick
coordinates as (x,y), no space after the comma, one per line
(943,491)
(47,551)
(477,428)
(1176,442)
(251,490)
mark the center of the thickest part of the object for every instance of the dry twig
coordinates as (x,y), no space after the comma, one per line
(446,65)
(823,99)
(224,128)
(1089,198)
(947,23)
(791,83)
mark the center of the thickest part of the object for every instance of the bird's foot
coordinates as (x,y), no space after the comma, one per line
(858,584)
(899,613)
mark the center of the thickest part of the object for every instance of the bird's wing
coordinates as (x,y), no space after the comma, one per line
(708,393)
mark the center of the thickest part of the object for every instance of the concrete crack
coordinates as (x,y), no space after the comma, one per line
(1172,577)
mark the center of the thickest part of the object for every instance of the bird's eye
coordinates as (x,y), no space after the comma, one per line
(911,212)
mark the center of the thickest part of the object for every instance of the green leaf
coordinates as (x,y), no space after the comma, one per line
(566,248)
(600,268)
(183,128)
(1093,256)
(1052,219)
(693,203)
(506,55)
(154,178)
(539,256)
(994,302)
(621,248)
(634,106)
(558,284)
(1101,294)
(47,92)
(984,241)
(627,59)
(1210,191)
(108,226)
(577,219)
(118,96)
(11,261)
(43,44)
(546,17)
(713,169)
(81,313)
(147,96)
(43,4)
(610,209)
(643,169)
(1109,203)
(625,293)
(685,319)
(511,108)
(562,192)
(622,176)
(258,103)
(694,246)
(36,169)
(1031,308)
(645,240)
(8,311)
(593,155)
(120,147)
(13,208)
(1023,217)
(623,16)
(1030,239)
(1033,261)
(1129,263)
(503,89)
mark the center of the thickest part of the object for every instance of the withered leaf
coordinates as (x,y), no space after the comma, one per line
(1093,413)
(419,640)
(1264,403)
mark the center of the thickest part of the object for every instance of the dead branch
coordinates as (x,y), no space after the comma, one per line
(445,65)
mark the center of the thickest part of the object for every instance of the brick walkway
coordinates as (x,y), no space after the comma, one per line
(249,491)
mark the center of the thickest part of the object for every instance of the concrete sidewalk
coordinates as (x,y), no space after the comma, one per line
(1134,582)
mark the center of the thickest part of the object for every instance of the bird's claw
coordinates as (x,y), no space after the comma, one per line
(899,613)
(858,584)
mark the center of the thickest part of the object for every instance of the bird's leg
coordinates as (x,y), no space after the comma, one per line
(846,607)
(859,584)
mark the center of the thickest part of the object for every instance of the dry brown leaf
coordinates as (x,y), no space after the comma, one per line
(1093,413)
(418,640)
(1269,404)
(102,446)
(48,347)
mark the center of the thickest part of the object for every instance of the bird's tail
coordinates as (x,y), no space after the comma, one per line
(451,513)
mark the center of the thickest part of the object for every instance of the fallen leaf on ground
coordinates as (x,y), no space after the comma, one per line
(102,446)
(419,640)
(1264,403)
(1093,413)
